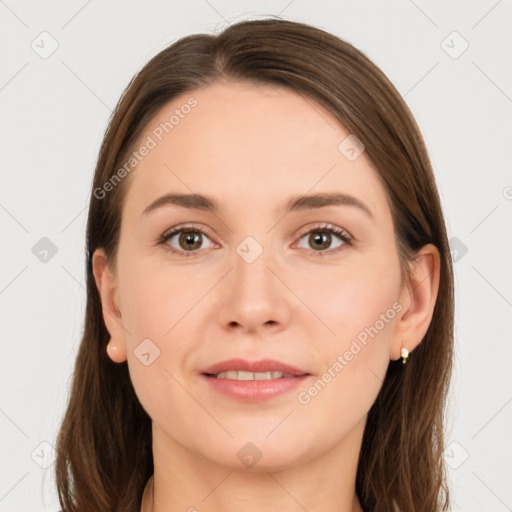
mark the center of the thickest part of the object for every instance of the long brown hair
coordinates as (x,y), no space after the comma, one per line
(104,444)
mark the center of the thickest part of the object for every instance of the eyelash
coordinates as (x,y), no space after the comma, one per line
(328,228)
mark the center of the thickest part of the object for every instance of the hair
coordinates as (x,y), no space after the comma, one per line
(104,445)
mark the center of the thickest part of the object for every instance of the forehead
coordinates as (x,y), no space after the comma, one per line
(252,142)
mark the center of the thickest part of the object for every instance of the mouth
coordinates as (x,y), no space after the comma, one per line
(244,375)
(253,381)
(264,369)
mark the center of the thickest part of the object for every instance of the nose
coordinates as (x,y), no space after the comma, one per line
(255,298)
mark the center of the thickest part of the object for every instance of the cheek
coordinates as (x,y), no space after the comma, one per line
(153,304)
(360,306)
(355,363)
(154,299)
(351,299)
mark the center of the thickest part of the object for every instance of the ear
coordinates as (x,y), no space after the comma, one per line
(418,298)
(106,283)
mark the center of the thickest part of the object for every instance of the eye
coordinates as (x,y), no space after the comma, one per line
(321,237)
(189,238)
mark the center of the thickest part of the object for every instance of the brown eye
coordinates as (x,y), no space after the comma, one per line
(184,241)
(190,240)
(320,238)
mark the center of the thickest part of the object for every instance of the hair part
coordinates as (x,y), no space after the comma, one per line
(104,446)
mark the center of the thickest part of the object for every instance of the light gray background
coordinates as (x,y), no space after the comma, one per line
(55,111)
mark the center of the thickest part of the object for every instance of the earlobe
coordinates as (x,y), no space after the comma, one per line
(106,283)
(419,297)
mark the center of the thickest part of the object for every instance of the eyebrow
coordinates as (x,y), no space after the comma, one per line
(295,203)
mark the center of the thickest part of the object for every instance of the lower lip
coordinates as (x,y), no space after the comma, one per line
(254,390)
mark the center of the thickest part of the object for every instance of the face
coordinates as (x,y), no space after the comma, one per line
(316,287)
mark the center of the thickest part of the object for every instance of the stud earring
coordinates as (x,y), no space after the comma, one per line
(115,352)
(111,348)
(404,353)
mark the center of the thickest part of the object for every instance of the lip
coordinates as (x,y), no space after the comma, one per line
(263,365)
(253,390)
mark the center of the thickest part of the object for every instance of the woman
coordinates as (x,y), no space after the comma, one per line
(269,319)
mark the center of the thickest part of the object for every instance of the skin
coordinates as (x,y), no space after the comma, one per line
(252,148)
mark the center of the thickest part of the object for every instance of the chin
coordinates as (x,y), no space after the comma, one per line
(252,453)
(269,463)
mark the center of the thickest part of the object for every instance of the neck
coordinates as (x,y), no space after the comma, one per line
(185,481)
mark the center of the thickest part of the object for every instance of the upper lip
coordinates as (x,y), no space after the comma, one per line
(263,365)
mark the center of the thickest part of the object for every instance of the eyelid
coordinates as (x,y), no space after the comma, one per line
(188,225)
(324,225)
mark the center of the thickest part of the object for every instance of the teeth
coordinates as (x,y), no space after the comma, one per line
(243,375)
